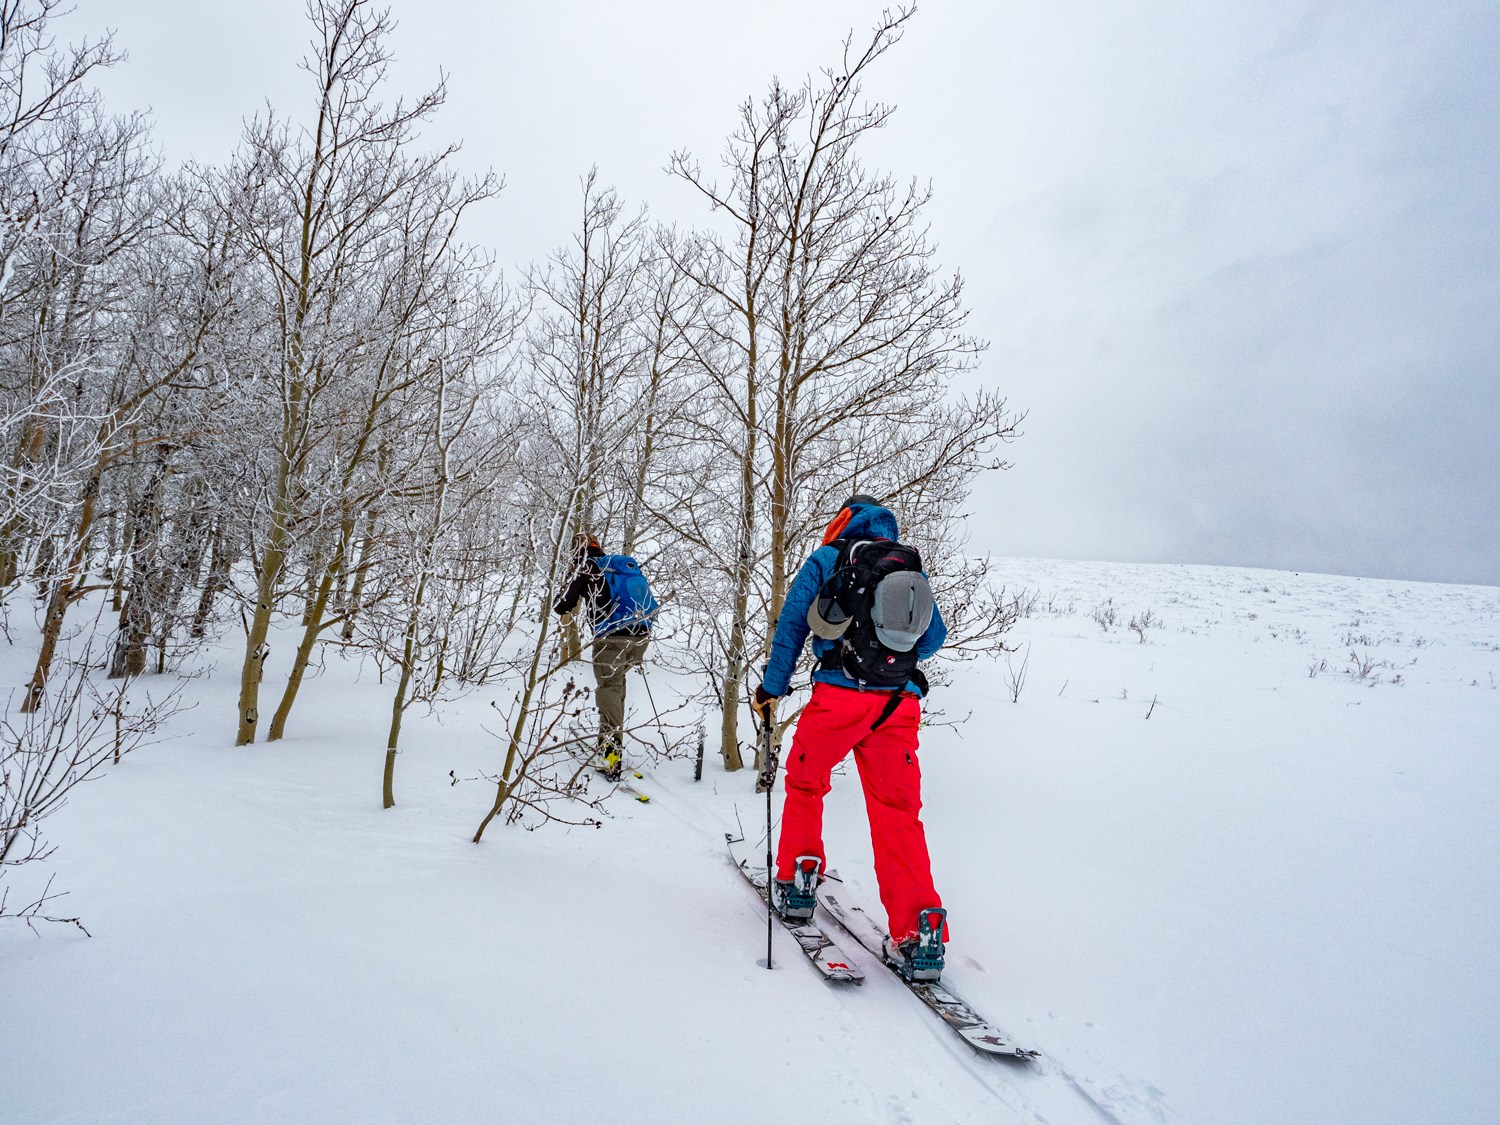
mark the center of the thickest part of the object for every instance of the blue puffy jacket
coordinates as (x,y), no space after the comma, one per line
(869,522)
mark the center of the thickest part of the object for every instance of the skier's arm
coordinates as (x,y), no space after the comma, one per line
(934,636)
(576,589)
(791,626)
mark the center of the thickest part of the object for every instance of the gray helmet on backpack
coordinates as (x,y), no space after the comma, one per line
(877,589)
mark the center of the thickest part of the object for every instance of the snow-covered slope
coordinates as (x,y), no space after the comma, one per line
(1215,875)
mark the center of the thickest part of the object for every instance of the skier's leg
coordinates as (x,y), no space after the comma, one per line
(638,649)
(610,667)
(892,780)
(635,652)
(828,726)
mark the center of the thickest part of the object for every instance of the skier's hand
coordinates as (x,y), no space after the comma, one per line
(763,704)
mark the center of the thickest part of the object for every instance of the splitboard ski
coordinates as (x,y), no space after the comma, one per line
(826,957)
(625,785)
(949,1007)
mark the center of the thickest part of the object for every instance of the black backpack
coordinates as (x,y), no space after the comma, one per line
(874,607)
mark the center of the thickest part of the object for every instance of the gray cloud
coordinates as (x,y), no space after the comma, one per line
(1241,262)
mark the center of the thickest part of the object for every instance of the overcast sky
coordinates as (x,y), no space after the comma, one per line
(1240,263)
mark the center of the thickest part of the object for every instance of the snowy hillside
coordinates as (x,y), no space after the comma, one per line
(1237,865)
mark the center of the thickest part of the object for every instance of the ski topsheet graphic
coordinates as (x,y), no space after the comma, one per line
(951,1008)
(814,943)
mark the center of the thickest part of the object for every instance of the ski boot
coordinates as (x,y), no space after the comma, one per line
(919,956)
(796,897)
(613,760)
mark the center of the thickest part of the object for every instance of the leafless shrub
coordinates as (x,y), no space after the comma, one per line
(1363,667)
(1053,608)
(31,913)
(1025,602)
(978,613)
(1106,615)
(551,779)
(1015,678)
(936,717)
(73,733)
(1140,622)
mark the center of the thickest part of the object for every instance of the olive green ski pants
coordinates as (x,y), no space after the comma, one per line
(614,655)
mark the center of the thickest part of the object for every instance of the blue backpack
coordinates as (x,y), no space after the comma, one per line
(631,603)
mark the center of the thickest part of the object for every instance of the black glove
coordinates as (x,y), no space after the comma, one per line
(763,703)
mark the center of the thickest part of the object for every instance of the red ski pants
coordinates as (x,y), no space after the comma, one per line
(836,721)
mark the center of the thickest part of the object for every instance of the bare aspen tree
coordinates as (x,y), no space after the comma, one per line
(41,88)
(79,283)
(180,327)
(868,336)
(468,450)
(402,357)
(584,348)
(105,315)
(845,337)
(668,320)
(732,273)
(869,339)
(320,207)
(44,98)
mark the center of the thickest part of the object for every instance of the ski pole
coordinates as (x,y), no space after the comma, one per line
(655,714)
(767,781)
(770,861)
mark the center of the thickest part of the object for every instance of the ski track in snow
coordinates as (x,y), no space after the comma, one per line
(1185,913)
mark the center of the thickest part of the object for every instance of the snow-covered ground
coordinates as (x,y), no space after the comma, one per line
(1215,876)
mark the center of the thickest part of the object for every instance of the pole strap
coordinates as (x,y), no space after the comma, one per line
(890,708)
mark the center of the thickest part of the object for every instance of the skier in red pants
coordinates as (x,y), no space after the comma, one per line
(863,596)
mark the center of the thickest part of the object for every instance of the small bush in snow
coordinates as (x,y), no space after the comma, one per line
(1015,678)
(1106,615)
(71,734)
(1363,667)
(1140,622)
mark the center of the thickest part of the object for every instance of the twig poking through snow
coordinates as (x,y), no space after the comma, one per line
(1015,678)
